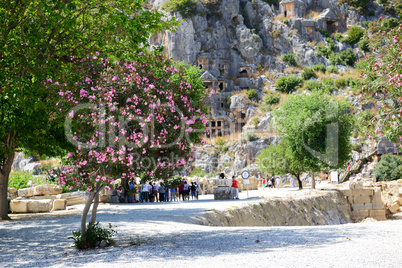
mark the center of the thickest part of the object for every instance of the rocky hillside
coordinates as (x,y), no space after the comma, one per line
(242,43)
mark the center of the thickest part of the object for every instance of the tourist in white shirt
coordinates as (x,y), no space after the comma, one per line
(145,192)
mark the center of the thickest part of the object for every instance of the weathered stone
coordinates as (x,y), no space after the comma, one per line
(25,192)
(105,198)
(19,206)
(224,193)
(49,189)
(35,206)
(357,207)
(74,198)
(394,207)
(363,192)
(59,204)
(362,199)
(12,190)
(222,182)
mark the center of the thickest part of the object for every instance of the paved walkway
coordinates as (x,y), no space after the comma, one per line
(163,235)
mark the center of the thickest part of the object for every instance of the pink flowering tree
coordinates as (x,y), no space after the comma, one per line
(384,82)
(130,119)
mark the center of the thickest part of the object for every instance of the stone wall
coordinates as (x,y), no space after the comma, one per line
(327,208)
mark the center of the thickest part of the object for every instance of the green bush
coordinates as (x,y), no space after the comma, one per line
(289,58)
(251,136)
(346,57)
(252,94)
(308,73)
(187,8)
(354,83)
(320,67)
(363,45)
(228,102)
(19,179)
(271,98)
(330,43)
(328,81)
(288,84)
(340,83)
(94,237)
(355,33)
(338,37)
(389,168)
(332,69)
(361,6)
(198,172)
(361,64)
(313,85)
(323,51)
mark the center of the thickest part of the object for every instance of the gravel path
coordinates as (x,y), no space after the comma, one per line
(164,235)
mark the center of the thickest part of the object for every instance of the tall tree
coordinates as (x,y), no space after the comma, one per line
(315,132)
(130,119)
(42,40)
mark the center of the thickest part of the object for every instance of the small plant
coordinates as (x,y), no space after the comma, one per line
(313,85)
(271,98)
(220,141)
(363,45)
(332,69)
(275,33)
(340,83)
(19,179)
(252,94)
(95,236)
(288,84)
(187,8)
(251,136)
(355,33)
(389,168)
(346,57)
(289,58)
(308,73)
(320,67)
(338,37)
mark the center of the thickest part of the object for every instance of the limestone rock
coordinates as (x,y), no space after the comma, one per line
(222,182)
(49,189)
(25,192)
(394,207)
(237,102)
(12,190)
(249,44)
(59,204)
(36,206)
(224,193)
(19,206)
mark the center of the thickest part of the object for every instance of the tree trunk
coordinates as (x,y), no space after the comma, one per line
(85,213)
(5,170)
(312,180)
(96,202)
(299,181)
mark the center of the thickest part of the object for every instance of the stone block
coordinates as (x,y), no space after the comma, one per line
(363,192)
(357,207)
(23,192)
(105,198)
(363,213)
(12,190)
(35,206)
(59,204)
(49,189)
(394,207)
(346,192)
(19,206)
(362,199)
(378,206)
(356,185)
(376,212)
(222,182)
(399,201)
(224,193)
(376,199)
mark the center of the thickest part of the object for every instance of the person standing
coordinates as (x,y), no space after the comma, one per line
(196,189)
(278,183)
(156,191)
(181,191)
(193,191)
(292,182)
(145,192)
(173,193)
(167,193)
(161,192)
(269,183)
(273,181)
(186,191)
(236,186)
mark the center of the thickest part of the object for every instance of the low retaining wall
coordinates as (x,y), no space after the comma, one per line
(325,209)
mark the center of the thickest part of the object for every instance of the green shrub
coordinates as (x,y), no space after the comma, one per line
(323,51)
(288,84)
(252,94)
(271,98)
(355,33)
(313,85)
(289,58)
(251,136)
(328,81)
(361,6)
(330,43)
(19,179)
(228,102)
(363,45)
(389,168)
(198,172)
(340,83)
(361,64)
(94,237)
(346,57)
(320,67)
(332,69)
(308,73)
(390,23)
(325,33)
(187,8)
(338,37)
(354,83)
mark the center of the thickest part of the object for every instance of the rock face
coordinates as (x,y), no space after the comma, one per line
(329,208)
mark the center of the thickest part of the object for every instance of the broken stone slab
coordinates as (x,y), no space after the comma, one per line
(222,182)
(33,206)
(394,207)
(25,192)
(19,206)
(59,204)
(48,189)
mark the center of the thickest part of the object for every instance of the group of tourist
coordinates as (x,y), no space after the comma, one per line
(152,192)
(276,182)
